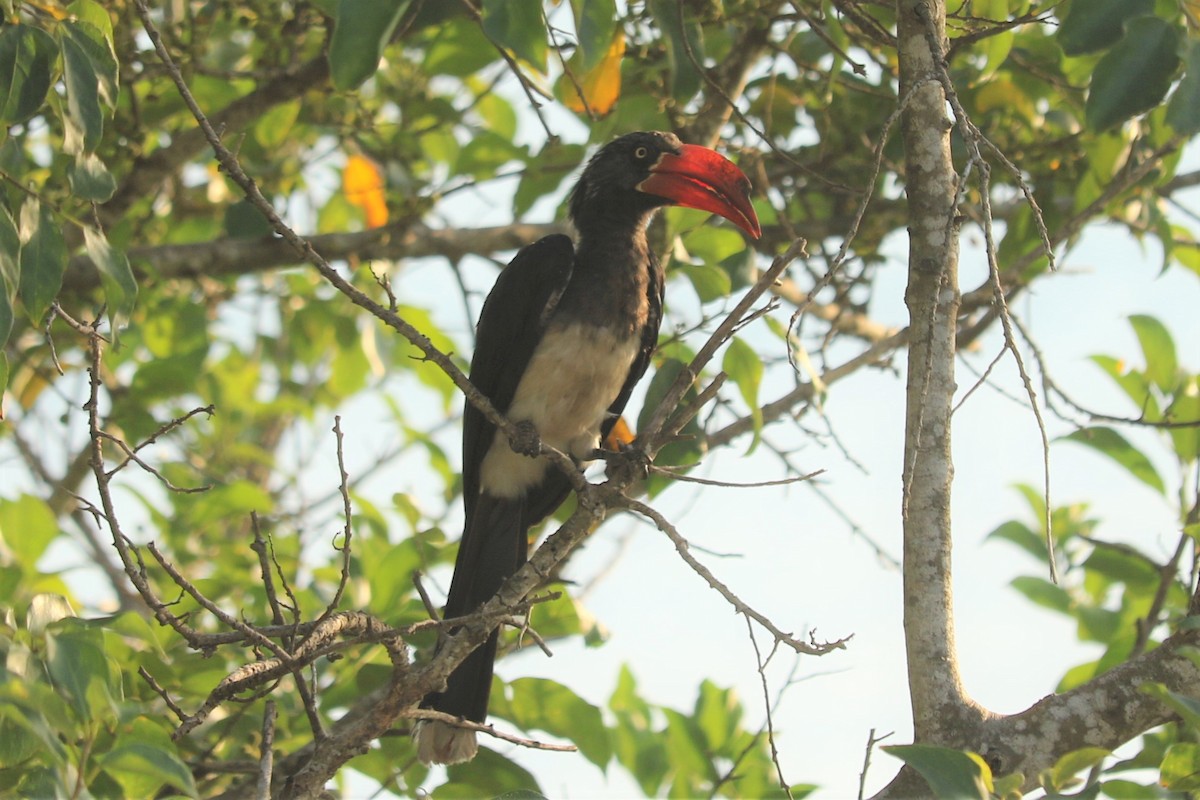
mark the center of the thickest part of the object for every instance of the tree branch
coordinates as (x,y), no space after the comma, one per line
(228,257)
(938,698)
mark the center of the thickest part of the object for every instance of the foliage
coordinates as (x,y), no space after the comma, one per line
(366,121)
(1120,596)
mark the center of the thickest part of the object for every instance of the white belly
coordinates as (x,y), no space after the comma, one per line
(572,378)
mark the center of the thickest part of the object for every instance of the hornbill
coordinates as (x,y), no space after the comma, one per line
(564,335)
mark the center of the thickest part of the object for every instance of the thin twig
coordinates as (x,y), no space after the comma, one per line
(132,456)
(526,85)
(675,474)
(266,759)
(862,776)
(656,433)
(161,692)
(348,529)
(859,214)
(682,546)
(232,167)
(490,730)
(762,674)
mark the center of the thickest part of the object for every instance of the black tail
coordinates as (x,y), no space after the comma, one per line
(493,548)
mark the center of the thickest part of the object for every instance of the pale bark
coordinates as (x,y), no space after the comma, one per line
(1110,709)
(938,698)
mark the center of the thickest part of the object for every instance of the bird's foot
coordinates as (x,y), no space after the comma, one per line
(525,439)
(629,463)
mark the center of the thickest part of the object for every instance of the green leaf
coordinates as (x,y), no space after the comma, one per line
(460,49)
(92,13)
(43,258)
(1129,790)
(951,774)
(1093,25)
(595,21)
(1043,592)
(517,25)
(10,275)
(90,179)
(362,30)
(243,220)
(16,742)
(498,115)
(1098,625)
(996,48)
(274,125)
(80,669)
(680,37)
(84,121)
(1158,349)
(689,448)
(120,288)
(1116,447)
(145,759)
(1187,708)
(96,42)
(554,708)
(1183,111)
(1134,76)
(28,527)
(718,713)
(1071,764)
(626,702)
(1186,408)
(710,281)
(1120,564)
(1180,769)
(386,591)
(544,173)
(1022,536)
(745,369)
(235,499)
(686,751)
(713,245)
(486,153)
(27,57)
(1133,382)
(488,775)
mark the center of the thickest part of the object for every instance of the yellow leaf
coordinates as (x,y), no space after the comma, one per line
(53,9)
(601,86)
(363,184)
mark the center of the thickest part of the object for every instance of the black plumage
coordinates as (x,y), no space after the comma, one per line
(564,336)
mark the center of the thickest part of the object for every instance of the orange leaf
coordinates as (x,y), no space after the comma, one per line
(363,184)
(601,86)
(619,436)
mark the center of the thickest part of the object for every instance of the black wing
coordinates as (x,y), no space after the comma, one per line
(654,294)
(510,326)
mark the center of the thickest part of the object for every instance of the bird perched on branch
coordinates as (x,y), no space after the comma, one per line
(563,337)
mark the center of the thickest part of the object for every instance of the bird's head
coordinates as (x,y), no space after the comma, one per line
(638,172)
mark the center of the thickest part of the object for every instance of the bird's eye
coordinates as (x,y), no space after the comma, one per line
(642,153)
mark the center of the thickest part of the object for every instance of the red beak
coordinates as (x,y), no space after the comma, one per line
(704,179)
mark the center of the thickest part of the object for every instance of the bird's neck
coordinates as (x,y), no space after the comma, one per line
(611,278)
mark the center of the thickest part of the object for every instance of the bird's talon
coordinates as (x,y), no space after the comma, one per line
(525,439)
(629,462)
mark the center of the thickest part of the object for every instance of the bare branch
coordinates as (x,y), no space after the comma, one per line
(266,760)
(490,730)
(682,546)
(762,674)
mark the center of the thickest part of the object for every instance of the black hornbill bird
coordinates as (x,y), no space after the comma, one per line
(564,335)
